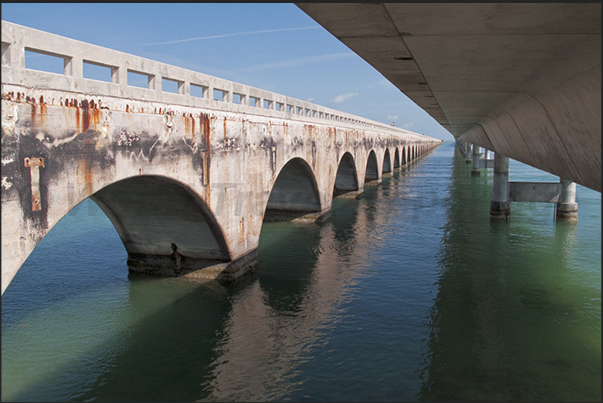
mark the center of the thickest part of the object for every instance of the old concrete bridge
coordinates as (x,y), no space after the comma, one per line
(186,180)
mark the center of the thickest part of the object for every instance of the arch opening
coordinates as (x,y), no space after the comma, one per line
(166,228)
(387,163)
(372,168)
(397,159)
(294,195)
(346,179)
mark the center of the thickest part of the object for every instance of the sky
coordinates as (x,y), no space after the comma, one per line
(273,46)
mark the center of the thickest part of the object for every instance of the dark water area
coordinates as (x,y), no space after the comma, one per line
(410,293)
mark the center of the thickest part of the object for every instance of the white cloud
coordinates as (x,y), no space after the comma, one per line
(407,126)
(233,34)
(311,99)
(392,117)
(344,97)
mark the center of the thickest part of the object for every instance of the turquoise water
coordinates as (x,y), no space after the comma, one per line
(410,293)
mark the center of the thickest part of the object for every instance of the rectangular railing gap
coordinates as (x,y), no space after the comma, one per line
(168,85)
(199,91)
(96,71)
(137,79)
(44,61)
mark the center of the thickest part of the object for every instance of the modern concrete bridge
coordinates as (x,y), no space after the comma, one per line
(186,180)
(520,79)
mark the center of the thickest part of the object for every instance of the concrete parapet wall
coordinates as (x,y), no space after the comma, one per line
(16,39)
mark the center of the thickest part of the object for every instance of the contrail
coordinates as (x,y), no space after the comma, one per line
(227,35)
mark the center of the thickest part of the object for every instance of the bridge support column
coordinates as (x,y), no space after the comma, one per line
(475,169)
(567,208)
(468,152)
(500,206)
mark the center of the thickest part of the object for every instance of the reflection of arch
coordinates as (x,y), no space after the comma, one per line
(387,162)
(397,159)
(372,169)
(346,179)
(164,225)
(294,192)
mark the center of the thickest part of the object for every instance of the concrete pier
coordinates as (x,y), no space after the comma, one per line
(475,169)
(567,208)
(505,192)
(500,207)
(467,151)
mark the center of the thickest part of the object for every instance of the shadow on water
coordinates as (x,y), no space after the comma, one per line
(511,320)
(140,338)
(285,276)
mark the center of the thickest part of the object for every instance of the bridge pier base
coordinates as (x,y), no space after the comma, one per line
(468,152)
(505,192)
(500,207)
(475,169)
(567,208)
(275,215)
(373,182)
(353,194)
(176,265)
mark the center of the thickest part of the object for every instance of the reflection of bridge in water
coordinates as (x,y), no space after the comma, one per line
(187,181)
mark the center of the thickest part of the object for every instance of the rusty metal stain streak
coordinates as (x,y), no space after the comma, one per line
(206,135)
(34,164)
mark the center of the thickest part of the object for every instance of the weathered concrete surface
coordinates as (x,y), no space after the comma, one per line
(186,186)
(523,80)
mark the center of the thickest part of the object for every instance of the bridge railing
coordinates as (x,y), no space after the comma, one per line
(192,88)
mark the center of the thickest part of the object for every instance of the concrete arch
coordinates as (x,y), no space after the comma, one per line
(387,162)
(397,158)
(346,179)
(165,226)
(294,194)
(372,168)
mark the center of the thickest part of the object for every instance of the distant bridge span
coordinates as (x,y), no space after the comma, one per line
(187,181)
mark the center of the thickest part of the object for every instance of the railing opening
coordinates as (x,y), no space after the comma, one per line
(219,95)
(237,98)
(172,86)
(96,71)
(198,91)
(42,61)
(141,80)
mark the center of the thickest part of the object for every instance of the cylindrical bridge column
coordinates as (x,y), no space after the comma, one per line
(468,151)
(500,207)
(567,208)
(475,170)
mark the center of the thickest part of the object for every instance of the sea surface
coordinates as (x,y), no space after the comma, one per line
(410,293)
